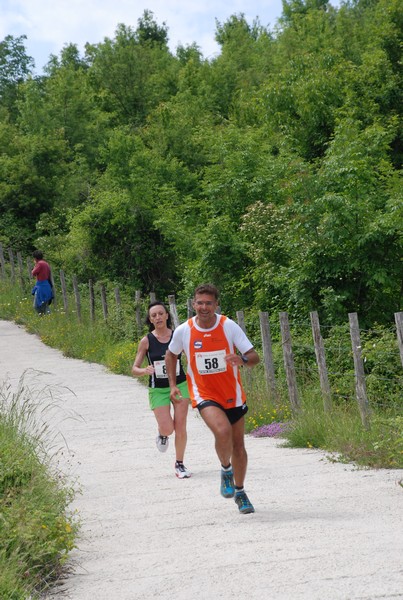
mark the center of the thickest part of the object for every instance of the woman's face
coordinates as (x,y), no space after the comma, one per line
(158,316)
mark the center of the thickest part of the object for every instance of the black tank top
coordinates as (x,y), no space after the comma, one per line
(155,355)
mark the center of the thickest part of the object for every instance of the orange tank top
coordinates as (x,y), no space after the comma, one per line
(209,376)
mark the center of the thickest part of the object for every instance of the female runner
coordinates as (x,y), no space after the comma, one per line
(153,347)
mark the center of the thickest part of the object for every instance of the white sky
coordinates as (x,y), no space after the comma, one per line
(51,24)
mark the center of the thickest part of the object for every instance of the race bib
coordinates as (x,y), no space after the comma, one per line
(160,369)
(209,363)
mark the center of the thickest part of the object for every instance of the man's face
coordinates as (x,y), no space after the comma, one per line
(205,306)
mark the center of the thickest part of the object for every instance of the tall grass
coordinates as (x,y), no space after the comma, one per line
(37,529)
(100,342)
(340,432)
(264,409)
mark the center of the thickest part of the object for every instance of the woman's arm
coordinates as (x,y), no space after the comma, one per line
(137,369)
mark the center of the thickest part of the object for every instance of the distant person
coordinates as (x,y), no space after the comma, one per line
(42,291)
(153,347)
(209,341)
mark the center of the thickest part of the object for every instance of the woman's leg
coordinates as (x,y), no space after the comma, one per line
(164,420)
(180,417)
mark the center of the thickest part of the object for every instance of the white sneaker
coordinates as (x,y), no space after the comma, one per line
(162,442)
(181,471)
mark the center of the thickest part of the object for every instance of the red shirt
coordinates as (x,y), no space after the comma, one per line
(41,270)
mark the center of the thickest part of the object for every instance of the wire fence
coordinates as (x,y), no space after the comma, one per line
(343,363)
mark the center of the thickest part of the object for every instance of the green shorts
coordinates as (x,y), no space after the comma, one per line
(160,396)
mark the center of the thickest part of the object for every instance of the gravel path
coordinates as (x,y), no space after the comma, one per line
(321,530)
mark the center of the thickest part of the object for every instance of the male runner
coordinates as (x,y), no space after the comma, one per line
(210,341)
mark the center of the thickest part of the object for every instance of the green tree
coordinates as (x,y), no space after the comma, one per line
(359,250)
(148,30)
(64,103)
(294,9)
(15,67)
(113,236)
(33,170)
(272,169)
(243,63)
(133,72)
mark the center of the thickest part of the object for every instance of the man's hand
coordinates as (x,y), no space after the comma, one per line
(175,395)
(234,360)
(170,363)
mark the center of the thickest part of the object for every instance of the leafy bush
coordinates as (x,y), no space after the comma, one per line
(383,367)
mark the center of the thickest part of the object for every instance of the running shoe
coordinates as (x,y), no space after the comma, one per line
(162,442)
(181,471)
(227,488)
(244,504)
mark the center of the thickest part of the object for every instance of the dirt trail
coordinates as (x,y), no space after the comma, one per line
(321,531)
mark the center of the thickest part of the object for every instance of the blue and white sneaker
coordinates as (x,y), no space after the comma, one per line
(227,487)
(244,504)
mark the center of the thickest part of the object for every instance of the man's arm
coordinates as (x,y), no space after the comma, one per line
(252,358)
(243,344)
(249,359)
(170,364)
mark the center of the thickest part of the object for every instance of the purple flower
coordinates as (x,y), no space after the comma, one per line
(271,430)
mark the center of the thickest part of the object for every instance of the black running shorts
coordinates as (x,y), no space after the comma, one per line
(233,414)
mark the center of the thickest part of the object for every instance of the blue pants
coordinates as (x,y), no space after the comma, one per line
(42,293)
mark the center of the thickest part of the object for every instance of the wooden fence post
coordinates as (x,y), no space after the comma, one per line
(247,373)
(289,362)
(138,312)
(2,263)
(321,361)
(52,279)
(20,269)
(241,320)
(12,265)
(268,354)
(29,268)
(153,297)
(104,301)
(77,297)
(189,308)
(399,332)
(117,298)
(173,311)
(64,292)
(360,386)
(92,300)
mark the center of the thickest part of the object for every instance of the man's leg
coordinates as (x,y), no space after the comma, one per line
(239,455)
(239,463)
(217,421)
